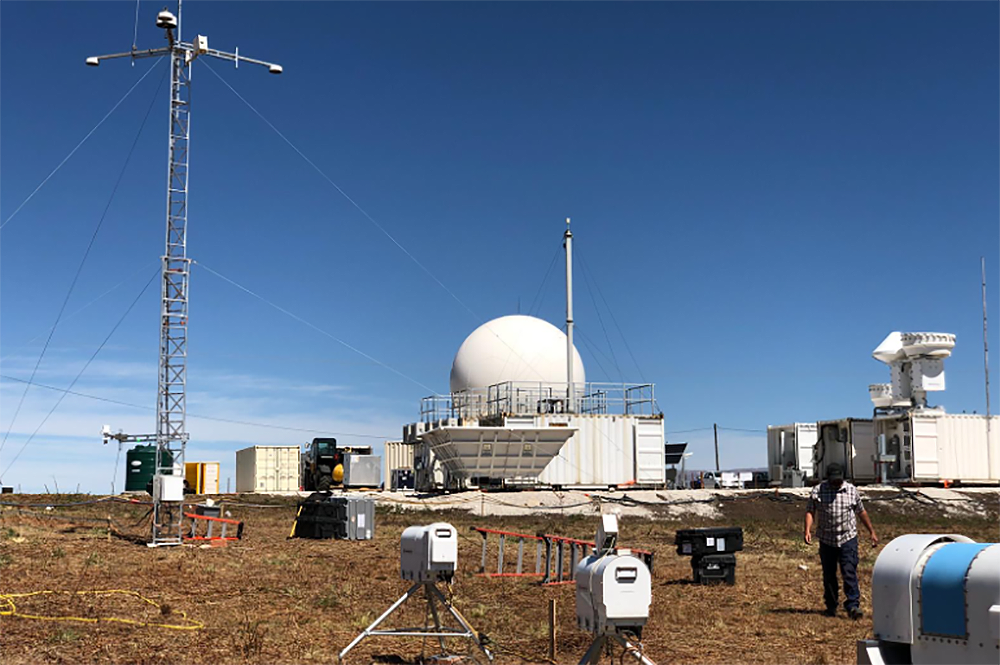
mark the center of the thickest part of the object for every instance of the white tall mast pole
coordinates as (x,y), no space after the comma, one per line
(986,368)
(570,387)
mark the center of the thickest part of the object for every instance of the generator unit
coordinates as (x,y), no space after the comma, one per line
(935,599)
(613,590)
(362,470)
(428,553)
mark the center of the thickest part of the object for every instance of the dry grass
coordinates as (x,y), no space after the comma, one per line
(272,600)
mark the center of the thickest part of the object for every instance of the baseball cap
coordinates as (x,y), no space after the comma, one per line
(835,472)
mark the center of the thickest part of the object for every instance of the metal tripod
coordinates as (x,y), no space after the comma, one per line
(593,655)
(431,592)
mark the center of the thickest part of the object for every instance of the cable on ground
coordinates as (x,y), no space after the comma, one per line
(8,608)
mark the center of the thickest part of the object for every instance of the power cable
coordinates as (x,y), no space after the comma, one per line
(613,319)
(83,261)
(80,373)
(73,151)
(585,337)
(313,326)
(545,279)
(593,353)
(371,219)
(70,316)
(590,292)
(135,30)
(742,429)
(193,415)
(342,192)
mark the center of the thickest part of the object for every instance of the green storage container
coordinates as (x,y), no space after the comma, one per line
(140,466)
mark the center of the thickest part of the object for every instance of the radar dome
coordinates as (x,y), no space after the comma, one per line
(513,348)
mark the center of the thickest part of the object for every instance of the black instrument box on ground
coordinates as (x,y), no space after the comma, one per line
(344,518)
(699,542)
(714,569)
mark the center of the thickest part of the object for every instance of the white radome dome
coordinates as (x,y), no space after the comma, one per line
(514,348)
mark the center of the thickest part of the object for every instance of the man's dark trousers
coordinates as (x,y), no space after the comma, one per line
(846,556)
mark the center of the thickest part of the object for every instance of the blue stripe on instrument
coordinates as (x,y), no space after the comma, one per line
(942,589)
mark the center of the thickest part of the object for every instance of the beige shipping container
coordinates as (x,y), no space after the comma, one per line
(202,477)
(267,469)
(397,455)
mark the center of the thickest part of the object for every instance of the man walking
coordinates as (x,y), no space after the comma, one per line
(835,506)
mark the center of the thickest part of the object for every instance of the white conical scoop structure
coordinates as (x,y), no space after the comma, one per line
(891,349)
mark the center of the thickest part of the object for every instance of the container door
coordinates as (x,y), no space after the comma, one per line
(805,441)
(289,472)
(210,478)
(265,469)
(649,452)
(863,450)
(925,448)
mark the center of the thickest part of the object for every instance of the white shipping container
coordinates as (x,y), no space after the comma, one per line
(606,450)
(954,447)
(599,451)
(849,442)
(267,469)
(791,447)
(398,455)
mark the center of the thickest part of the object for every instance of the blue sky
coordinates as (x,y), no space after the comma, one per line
(762,191)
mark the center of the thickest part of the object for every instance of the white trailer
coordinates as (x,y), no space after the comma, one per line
(931,446)
(849,442)
(790,453)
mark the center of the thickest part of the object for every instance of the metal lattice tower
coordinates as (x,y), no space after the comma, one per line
(171,400)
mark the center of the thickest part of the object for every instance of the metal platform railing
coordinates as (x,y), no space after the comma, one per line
(514,398)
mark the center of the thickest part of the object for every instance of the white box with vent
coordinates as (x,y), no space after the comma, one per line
(168,488)
(428,553)
(613,593)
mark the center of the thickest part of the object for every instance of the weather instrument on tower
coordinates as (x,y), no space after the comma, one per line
(171,402)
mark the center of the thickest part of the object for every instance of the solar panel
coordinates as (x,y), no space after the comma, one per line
(675,452)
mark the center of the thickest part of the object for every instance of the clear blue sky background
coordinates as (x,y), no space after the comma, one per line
(762,190)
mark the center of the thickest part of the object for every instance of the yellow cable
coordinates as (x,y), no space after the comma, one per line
(9,608)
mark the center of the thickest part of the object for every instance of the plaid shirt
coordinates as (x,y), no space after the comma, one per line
(836,512)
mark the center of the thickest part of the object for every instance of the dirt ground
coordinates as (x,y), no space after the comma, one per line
(268,599)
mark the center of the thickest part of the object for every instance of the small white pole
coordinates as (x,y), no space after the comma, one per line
(570,388)
(986,369)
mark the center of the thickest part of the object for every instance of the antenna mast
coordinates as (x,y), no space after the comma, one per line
(171,402)
(986,355)
(570,386)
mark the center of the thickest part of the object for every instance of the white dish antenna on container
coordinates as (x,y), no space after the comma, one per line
(916,363)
